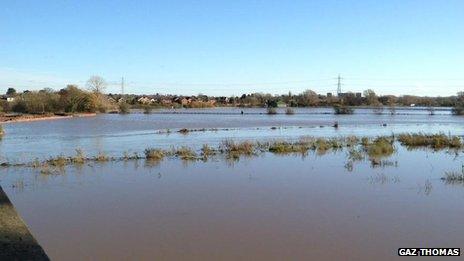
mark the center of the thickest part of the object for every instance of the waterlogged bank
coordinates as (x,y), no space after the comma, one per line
(16,241)
(41,117)
(269,207)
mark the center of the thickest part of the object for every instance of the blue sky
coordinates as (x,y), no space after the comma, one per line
(235,47)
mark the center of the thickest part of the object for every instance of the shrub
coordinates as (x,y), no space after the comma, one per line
(271,111)
(341,109)
(458,110)
(147,108)
(19,106)
(123,108)
(289,111)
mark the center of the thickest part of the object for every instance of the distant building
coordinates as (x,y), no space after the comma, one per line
(144,100)
(358,95)
(8,98)
(329,94)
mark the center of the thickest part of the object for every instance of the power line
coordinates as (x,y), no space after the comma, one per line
(339,85)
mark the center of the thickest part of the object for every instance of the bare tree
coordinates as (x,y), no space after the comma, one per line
(96,84)
(371,97)
(309,98)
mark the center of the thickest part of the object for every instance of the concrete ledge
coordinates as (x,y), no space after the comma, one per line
(16,241)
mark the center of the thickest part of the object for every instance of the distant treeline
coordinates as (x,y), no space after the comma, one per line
(73,99)
(307,98)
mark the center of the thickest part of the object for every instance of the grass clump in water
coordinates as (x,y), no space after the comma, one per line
(186,153)
(183,131)
(379,148)
(454,176)
(435,141)
(283,147)
(36,163)
(101,157)
(321,146)
(235,149)
(154,154)
(59,161)
(355,155)
(79,158)
(207,151)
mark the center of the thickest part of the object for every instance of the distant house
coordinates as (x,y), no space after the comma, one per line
(144,100)
(185,101)
(166,101)
(8,98)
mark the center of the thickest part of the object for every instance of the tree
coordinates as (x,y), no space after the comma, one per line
(308,98)
(458,108)
(96,84)
(371,97)
(11,91)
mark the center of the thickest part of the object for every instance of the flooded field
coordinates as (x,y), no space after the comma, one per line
(115,134)
(319,206)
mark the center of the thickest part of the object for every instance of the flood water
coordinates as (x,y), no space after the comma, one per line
(266,207)
(115,134)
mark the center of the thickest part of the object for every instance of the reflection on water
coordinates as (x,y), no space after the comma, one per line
(261,208)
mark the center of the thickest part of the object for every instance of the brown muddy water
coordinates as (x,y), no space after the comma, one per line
(266,207)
